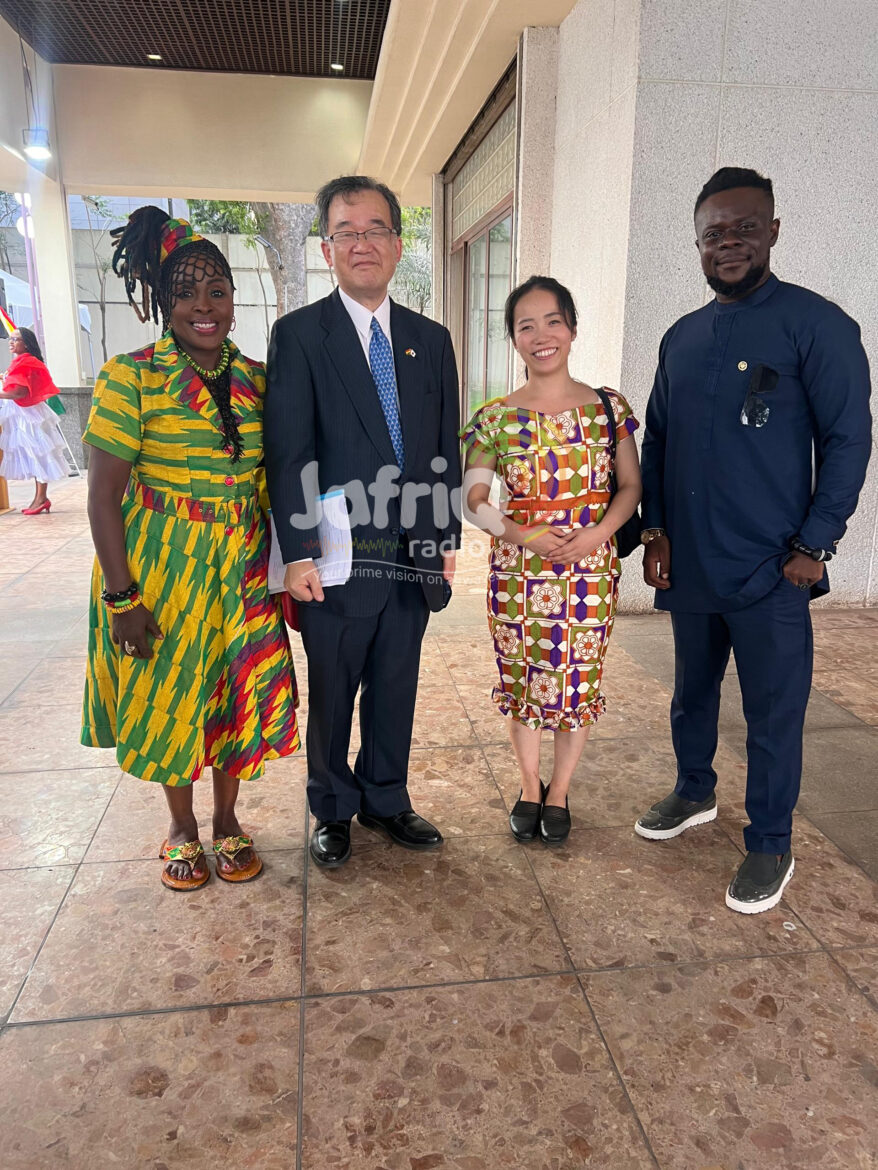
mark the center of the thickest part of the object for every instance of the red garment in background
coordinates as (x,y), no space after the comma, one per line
(28,371)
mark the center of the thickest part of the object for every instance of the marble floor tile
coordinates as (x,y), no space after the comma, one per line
(440,719)
(38,625)
(187,1089)
(510,1076)
(851,690)
(14,669)
(51,817)
(29,899)
(843,616)
(833,896)
(760,1064)
(855,833)
(54,682)
(271,810)
(124,943)
(25,746)
(862,967)
(621,901)
(395,918)
(841,648)
(488,725)
(433,669)
(618,779)
(470,658)
(454,788)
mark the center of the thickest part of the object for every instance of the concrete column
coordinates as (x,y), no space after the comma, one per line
(535,160)
(437,307)
(54,264)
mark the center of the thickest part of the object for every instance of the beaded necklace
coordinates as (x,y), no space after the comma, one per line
(211,375)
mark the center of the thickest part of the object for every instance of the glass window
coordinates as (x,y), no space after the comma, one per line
(475,331)
(489,280)
(499,285)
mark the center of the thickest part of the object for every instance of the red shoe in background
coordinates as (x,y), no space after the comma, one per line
(45,506)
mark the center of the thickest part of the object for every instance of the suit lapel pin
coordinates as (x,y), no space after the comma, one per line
(410,353)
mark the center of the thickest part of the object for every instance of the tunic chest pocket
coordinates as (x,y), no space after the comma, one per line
(765,392)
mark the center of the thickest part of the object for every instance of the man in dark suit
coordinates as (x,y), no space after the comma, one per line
(363,394)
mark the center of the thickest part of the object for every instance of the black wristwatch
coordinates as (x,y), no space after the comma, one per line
(816,554)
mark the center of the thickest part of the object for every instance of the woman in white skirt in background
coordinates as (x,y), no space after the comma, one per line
(31,443)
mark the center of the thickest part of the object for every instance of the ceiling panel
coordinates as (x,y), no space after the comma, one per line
(301,38)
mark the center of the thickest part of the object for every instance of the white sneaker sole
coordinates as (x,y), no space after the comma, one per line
(702,818)
(760,907)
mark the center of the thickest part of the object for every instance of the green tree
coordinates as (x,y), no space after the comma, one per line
(413,282)
(9,213)
(280,228)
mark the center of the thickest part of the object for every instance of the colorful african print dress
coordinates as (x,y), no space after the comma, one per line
(219,689)
(551,623)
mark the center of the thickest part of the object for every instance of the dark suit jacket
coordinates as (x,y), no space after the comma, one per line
(322,408)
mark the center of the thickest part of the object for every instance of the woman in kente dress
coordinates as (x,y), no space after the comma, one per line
(188,661)
(554,567)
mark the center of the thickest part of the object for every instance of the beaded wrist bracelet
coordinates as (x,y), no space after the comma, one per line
(123,601)
(124,606)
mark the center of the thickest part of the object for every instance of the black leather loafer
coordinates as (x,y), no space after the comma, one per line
(554,823)
(331,843)
(405,828)
(524,820)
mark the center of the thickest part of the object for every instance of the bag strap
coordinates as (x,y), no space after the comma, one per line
(611,420)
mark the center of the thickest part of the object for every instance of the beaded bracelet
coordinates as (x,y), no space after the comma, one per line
(123,595)
(125,606)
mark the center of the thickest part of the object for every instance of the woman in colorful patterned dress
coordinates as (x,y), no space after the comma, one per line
(554,568)
(189,665)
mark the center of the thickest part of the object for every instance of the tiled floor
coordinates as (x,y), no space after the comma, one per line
(491,1006)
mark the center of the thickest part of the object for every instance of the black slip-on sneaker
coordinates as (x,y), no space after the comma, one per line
(674,815)
(760,882)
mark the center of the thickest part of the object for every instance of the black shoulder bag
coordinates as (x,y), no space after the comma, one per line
(628,536)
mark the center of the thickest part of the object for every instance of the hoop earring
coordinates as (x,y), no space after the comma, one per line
(233,326)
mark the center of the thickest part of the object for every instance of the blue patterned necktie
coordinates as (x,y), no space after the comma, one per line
(384,375)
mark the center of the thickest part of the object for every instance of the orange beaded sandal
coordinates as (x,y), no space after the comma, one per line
(230,847)
(188,854)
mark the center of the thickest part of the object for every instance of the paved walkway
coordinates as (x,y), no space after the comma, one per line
(489,1007)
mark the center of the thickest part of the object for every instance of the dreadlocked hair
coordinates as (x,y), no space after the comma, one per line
(221,392)
(137,258)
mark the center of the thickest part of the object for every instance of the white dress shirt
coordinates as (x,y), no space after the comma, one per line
(362,319)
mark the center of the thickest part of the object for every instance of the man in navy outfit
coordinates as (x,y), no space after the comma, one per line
(757,440)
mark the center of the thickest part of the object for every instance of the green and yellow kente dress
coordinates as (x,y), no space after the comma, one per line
(219,689)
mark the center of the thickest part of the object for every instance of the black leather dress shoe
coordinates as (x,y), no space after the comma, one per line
(524,820)
(405,828)
(331,843)
(554,823)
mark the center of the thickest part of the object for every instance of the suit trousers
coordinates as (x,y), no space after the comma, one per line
(774,650)
(379,655)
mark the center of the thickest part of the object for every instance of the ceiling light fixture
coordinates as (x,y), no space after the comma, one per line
(338,68)
(153,56)
(36,144)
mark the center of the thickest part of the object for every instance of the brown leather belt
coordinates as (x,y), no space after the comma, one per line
(537,505)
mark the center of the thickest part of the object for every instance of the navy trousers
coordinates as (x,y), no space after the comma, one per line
(378,655)
(774,651)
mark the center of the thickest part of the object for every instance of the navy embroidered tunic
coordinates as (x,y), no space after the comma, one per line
(732,495)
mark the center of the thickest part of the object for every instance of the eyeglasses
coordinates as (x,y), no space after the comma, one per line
(375,235)
(756,410)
